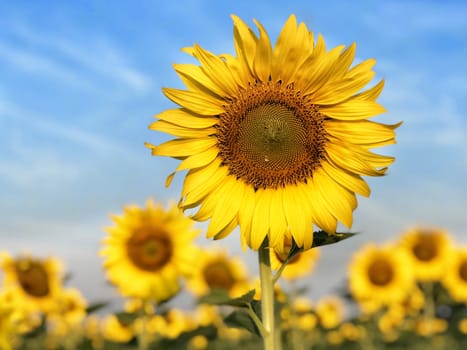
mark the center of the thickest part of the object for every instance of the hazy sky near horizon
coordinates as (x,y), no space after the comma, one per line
(80,82)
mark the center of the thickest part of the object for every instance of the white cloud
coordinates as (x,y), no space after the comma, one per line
(68,60)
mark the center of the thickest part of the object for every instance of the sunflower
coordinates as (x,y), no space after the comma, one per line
(300,265)
(330,311)
(455,278)
(148,250)
(429,250)
(380,276)
(36,282)
(217,270)
(274,138)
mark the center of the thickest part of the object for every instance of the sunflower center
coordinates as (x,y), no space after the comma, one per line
(463,271)
(149,249)
(380,273)
(271,136)
(425,249)
(32,277)
(218,275)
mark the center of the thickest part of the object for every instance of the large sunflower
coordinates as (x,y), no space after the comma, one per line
(148,250)
(455,277)
(36,283)
(274,138)
(430,250)
(380,276)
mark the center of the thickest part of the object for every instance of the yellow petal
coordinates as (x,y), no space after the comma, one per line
(363,132)
(194,101)
(183,117)
(371,94)
(340,90)
(245,215)
(277,220)
(230,195)
(350,181)
(338,200)
(294,213)
(227,229)
(318,69)
(350,161)
(245,42)
(183,147)
(260,221)
(196,79)
(198,160)
(180,131)
(217,71)
(197,188)
(263,56)
(353,109)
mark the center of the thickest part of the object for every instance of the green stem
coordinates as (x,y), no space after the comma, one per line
(271,335)
(143,335)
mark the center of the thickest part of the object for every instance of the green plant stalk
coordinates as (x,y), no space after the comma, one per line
(270,336)
(143,335)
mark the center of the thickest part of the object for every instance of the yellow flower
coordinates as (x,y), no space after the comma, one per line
(300,265)
(330,311)
(380,276)
(116,331)
(71,310)
(429,250)
(36,282)
(216,270)
(455,276)
(274,138)
(430,326)
(148,250)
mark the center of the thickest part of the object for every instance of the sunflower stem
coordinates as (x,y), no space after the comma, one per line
(271,334)
(143,335)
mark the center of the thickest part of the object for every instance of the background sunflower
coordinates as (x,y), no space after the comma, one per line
(380,276)
(148,251)
(36,282)
(216,269)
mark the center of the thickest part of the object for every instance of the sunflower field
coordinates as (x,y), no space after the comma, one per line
(274,143)
(411,293)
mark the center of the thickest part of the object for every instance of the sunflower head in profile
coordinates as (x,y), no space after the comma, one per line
(36,282)
(274,138)
(148,250)
(380,276)
(429,250)
(455,278)
(217,270)
(300,265)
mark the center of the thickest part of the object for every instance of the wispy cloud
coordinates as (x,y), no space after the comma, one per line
(78,60)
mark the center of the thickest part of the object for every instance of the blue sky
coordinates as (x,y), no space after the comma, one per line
(80,82)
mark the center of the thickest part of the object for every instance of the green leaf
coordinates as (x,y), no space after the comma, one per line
(96,306)
(126,318)
(221,297)
(322,238)
(240,319)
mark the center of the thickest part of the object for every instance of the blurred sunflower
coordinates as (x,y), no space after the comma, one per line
(429,250)
(148,250)
(36,282)
(300,265)
(274,138)
(215,269)
(330,311)
(380,276)
(113,329)
(455,277)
